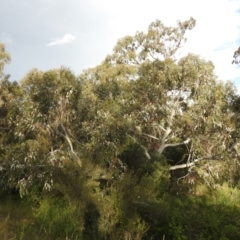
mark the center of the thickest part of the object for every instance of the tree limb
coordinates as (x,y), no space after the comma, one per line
(65,135)
(150,136)
(186,165)
(146,152)
(177,144)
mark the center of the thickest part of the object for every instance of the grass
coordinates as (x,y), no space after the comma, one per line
(50,219)
(15,215)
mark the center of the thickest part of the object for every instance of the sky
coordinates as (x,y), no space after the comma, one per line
(78,34)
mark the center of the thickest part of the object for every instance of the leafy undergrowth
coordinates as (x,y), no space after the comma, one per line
(15,216)
(208,217)
(50,218)
(193,218)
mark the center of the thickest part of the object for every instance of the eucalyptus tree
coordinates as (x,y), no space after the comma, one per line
(10,110)
(162,102)
(43,126)
(236,56)
(52,97)
(4,58)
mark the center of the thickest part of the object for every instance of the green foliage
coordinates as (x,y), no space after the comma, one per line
(143,146)
(57,219)
(4,58)
(236,56)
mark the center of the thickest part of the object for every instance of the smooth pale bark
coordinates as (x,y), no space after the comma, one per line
(192,163)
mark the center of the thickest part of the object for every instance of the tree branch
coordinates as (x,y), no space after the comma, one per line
(186,165)
(72,150)
(65,135)
(150,136)
(177,144)
(146,152)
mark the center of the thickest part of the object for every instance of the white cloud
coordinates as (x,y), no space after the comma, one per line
(67,38)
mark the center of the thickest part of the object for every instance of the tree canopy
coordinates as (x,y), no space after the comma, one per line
(117,139)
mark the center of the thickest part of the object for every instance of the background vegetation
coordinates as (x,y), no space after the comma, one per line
(142,146)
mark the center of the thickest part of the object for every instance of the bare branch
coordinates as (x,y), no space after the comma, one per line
(150,136)
(186,165)
(72,150)
(136,61)
(182,177)
(147,155)
(162,127)
(146,152)
(177,144)
(65,135)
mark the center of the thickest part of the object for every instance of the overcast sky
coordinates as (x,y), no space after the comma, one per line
(78,34)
